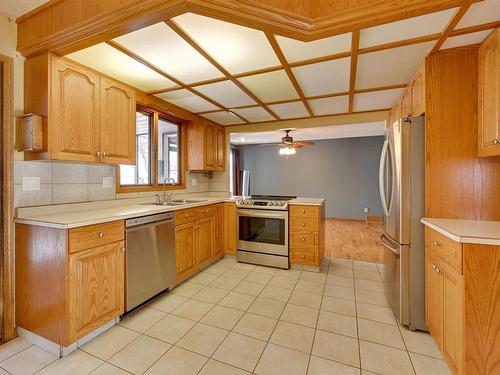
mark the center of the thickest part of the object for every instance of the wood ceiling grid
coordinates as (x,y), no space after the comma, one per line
(440,38)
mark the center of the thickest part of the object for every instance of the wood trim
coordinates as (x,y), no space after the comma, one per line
(8,257)
(354,67)
(476,28)
(277,50)
(451,26)
(206,55)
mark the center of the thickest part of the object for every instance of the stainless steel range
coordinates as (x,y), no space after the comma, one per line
(263,230)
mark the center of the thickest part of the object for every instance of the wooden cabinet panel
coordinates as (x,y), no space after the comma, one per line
(204,239)
(306,234)
(307,224)
(74,116)
(303,256)
(210,147)
(96,287)
(219,230)
(185,257)
(406,103)
(95,235)
(117,136)
(300,211)
(489,96)
(304,239)
(220,149)
(445,248)
(417,89)
(185,216)
(230,228)
(453,317)
(206,146)
(434,295)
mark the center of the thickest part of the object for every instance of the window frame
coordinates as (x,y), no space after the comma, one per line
(153,154)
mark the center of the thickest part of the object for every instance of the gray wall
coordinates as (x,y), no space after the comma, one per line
(344,171)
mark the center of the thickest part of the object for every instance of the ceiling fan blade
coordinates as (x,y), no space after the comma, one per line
(304,143)
(270,144)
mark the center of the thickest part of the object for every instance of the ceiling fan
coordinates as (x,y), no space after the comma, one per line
(287,145)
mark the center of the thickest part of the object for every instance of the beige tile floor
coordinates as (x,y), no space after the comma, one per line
(235,318)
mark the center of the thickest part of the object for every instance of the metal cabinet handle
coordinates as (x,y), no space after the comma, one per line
(436,243)
(303,239)
(303,211)
(496,141)
(123,249)
(303,225)
(98,154)
(303,256)
(101,234)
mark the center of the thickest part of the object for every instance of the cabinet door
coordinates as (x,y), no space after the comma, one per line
(230,228)
(185,258)
(219,230)
(434,296)
(117,140)
(406,103)
(74,113)
(489,96)
(453,317)
(96,287)
(221,149)
(418,92)
(205,239)
(209,152)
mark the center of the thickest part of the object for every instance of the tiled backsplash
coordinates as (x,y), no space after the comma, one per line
(70,183)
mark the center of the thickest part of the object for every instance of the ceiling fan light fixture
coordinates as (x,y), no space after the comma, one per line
(287,151)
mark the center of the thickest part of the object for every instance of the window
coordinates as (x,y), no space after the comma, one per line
(158,158)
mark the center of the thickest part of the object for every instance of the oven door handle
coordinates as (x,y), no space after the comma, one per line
(264,214)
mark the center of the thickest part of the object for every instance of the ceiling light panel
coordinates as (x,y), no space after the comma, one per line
(390,67)
(272,86)
(162,47)
(226,93)
(369,101)
(106,59)
(406,29)
(187,100)
(296,50)
(254,114)
(223,118)
(324,78)
(290,110)
(330,106)
(466,39)
(237,48)
(482,12)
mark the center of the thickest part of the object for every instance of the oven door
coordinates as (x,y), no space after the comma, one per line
(263,231)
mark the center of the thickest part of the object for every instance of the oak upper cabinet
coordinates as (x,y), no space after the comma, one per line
(206,146)
(417,91)
(97,287)
(185,257)
(87,117)
(117,136)
(406,103)
(489,95)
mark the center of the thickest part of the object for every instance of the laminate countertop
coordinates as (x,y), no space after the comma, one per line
(467,231)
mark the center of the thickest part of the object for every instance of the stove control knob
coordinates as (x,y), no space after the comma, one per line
(282,203)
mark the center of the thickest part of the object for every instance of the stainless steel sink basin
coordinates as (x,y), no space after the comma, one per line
(169,204)
(185,201)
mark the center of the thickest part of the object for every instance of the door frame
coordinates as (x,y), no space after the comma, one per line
(7,281)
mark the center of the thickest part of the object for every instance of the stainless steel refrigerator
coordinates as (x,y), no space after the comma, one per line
(401,180)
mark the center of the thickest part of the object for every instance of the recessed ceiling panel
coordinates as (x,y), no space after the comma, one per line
(187,100)
(254,114)
(391,66)
(466,39)
(296,50)
(238,48)
(324,78)
(226,93)
(406,29)
(106,59)
(290,110)
(482,12)
(329,106)
(161,46)
(376,100)
(223,118)
(272,86)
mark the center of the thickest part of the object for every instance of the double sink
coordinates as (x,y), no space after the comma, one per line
(175,202)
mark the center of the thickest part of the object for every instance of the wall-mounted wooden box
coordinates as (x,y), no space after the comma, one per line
(31,129)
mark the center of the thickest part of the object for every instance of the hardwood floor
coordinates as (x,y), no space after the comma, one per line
(353,239)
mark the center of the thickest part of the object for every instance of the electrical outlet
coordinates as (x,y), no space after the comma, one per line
(107,182)
(366,210)
(194,182)
(31,183)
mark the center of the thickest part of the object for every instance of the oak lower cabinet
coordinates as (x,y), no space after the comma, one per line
(462,303)
(489,95)
(207,146)
(230,227)
(88,117)
(197,239)
(69,282)
(307,234)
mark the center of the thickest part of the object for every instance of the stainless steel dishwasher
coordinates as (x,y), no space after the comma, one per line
(150,260)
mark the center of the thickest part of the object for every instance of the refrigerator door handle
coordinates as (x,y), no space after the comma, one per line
(383,193)
(387,246)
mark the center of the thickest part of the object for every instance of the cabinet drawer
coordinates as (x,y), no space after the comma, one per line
(205,211)
(447,249)
(185,216)
(95,235)
(303,255)
(304,239)
(303,224)
(304,211)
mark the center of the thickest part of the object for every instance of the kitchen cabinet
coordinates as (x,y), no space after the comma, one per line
(205,239)
(307,234)
(406,103)
(489,95)
(417,89)
(185,257)
(230,228)
(206,146)
(69,282)
(219,230)
(88,117)
(434,296)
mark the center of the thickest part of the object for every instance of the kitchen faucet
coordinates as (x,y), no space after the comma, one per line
(167,197)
